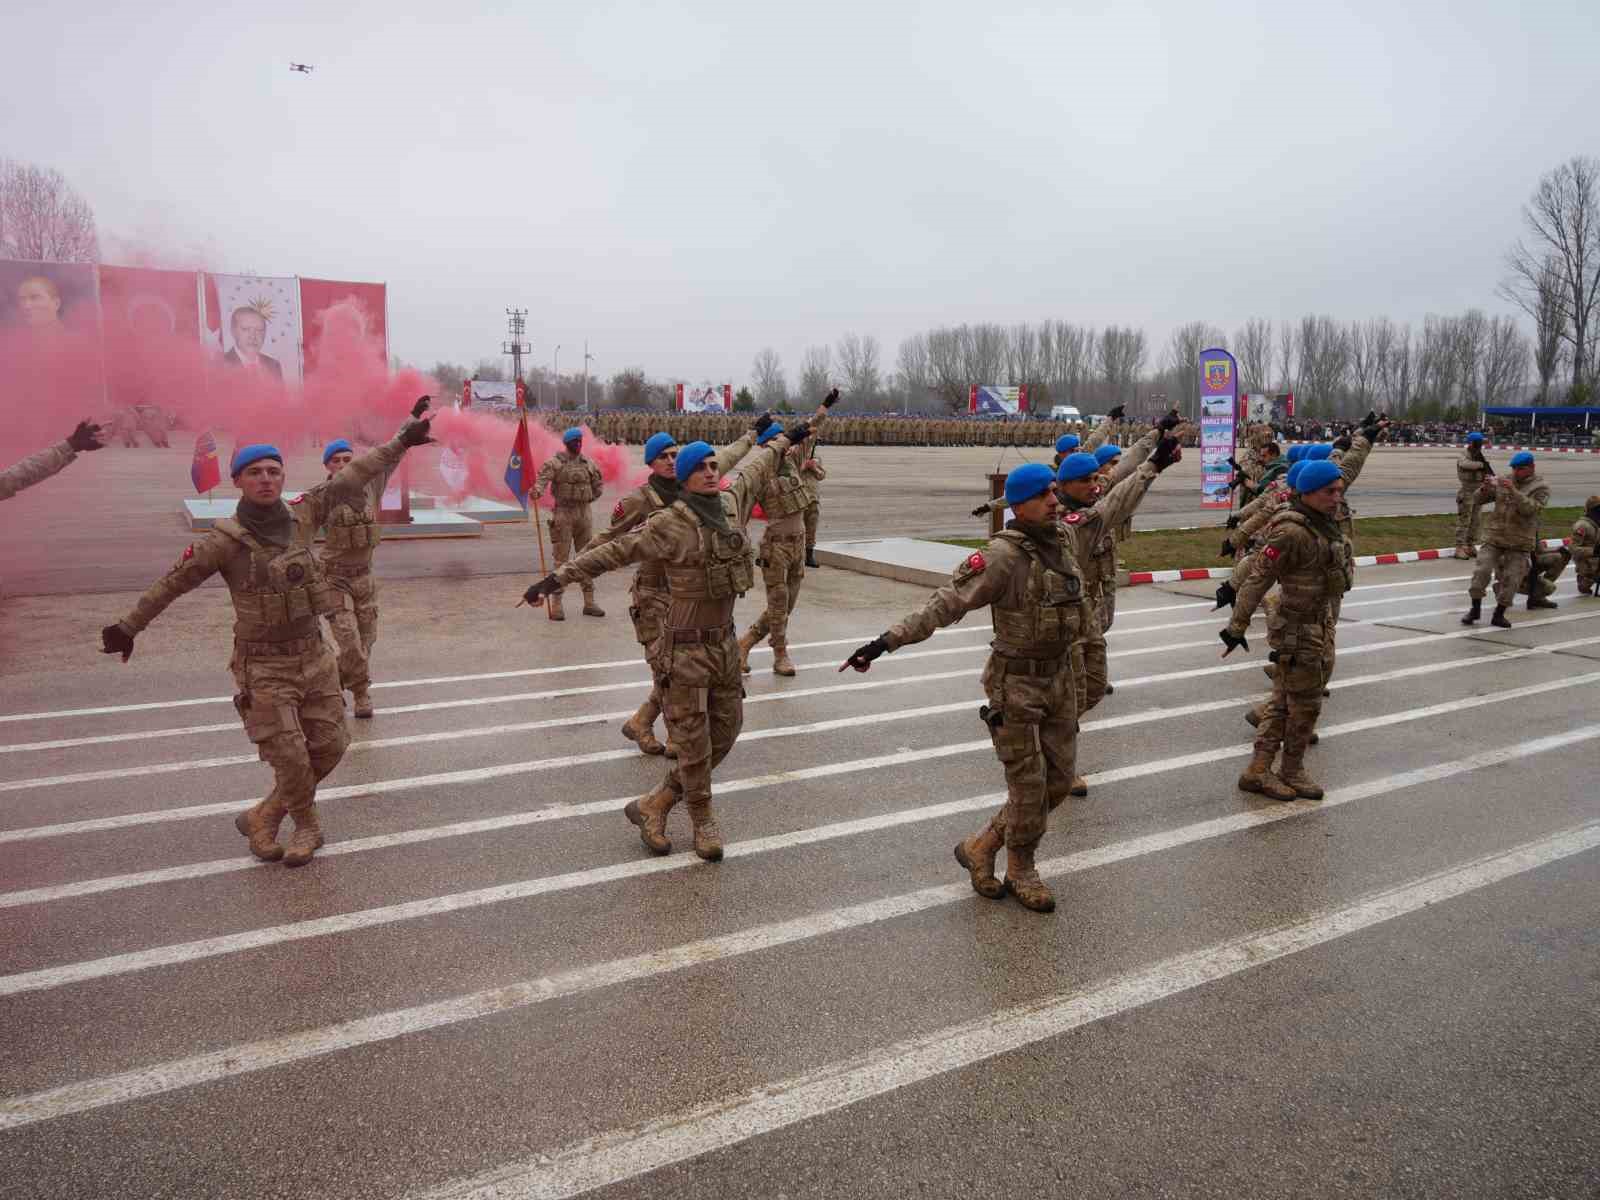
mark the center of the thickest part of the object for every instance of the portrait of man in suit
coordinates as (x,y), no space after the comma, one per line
(249,335)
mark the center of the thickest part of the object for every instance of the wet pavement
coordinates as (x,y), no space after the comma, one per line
(484,986)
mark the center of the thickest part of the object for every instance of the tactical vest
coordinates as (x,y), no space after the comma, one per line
(572,482)
(1099,559)
(284,586)
(727,565)
(1050,616)
(1304,597)
(350,529)
(787,494)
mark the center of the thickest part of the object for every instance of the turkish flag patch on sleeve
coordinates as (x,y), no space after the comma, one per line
(1271,552)
(976,562)
(298,499)
(188,553)
(616,513)
(1073,518)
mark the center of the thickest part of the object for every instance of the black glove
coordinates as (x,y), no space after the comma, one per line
(1371,418)
(799,433)
(545,587)
(85,437)
(1371,432)
(981,511)
(1167,452)
(415,433)
(420,407)
(1229,550)
(1232,643)
(1232,522)
(1225,595)
(831,399)
(114,641)
(862,658)
(1169,422)
(1344,443)
(762,422)
(1116,413)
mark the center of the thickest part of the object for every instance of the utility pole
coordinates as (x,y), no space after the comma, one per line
(516,326)
(555,375)
(586,358)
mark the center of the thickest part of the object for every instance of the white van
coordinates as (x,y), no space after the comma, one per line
(1064,412)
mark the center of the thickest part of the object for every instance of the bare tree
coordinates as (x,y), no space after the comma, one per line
(1323,348)
(1286,379)
(1364,356)
(772,386)
(42,218)
(1563,236)
(816,374)
(1120,355)
(946,370)
(630,388)
(858,360)
(915,373)
(1503,363)
(1549,327)
(490,370)
(1022,355)
(1252,346)
(1183,364)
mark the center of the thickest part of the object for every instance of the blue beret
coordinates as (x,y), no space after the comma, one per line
(690,458)
(572,435)
(337,446)
(1314,476)
(1474,436)
(767,434)
(1318,452)
(1106,453)
(1077,466)
(245,455)
(1027,481)
(1294,476)
(1066,443)
(656,444)
(1297,452)
(1522,459)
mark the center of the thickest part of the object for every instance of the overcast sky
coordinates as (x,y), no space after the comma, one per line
(682,184)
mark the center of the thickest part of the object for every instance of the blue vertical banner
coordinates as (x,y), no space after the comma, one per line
(1219,419)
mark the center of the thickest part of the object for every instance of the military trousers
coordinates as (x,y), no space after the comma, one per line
(1469,517)
(783,567)
(1585,562)
(813,515)
(1089,669)
(355,627)
(1033,723)
(1506,567)
(1300,673)
(293,711)
(647,612)
(702,694)
(570,531)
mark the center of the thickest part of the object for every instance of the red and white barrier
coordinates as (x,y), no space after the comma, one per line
(1459,446)
(1364,560)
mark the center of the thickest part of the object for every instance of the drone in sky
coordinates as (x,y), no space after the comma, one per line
(302,68)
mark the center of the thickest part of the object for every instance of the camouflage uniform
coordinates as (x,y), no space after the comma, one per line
(577,485)
(813,472)
(785,499)
(1585,543)
(1308,556)
(1470,477)
(288,680)
(36,468)
(1033,587)
(696,656)
(1513,528)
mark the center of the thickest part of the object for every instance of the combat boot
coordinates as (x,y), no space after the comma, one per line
(362,698)
(1294,777)
(1461,552)
(649,813)
(307,837)
(1023,882)
(260,824)
(781,663)
(1499,618)
(811,558)
(747,642)
(1080,786)
(1541,602)
(590,608)
(1258,778)
(635,730)
(707,834)
(556,611)
(1474,614)
(1109,689)
(976,854)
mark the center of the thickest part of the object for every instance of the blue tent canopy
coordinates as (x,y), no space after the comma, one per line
(1541,411)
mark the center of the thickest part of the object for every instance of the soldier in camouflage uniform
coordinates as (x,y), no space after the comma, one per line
(1312,561)
(348,544)
(813,472)
(1514,528)
(700,543)
(36,468)
(577,485)
(1029,580)
(1472,469)
(1586,544)
(289,697)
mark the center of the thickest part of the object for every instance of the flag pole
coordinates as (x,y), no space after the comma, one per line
(533,513)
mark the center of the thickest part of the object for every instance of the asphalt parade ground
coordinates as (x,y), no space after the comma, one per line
(484,986)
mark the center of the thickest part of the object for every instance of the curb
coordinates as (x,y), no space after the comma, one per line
(1364,560)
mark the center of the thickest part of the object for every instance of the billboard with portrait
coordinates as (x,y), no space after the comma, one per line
(705,397)
(47,299)
(992,400)
(254,321)
(323,301)
(151,326)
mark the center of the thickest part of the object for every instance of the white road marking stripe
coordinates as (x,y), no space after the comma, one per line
(183,952)
(279,1051)
(623,1154)
(221,866)
(483,774)
(856,639)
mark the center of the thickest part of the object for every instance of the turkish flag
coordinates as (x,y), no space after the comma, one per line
(204,468)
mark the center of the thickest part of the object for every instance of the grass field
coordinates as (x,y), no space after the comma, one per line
(1173,549)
